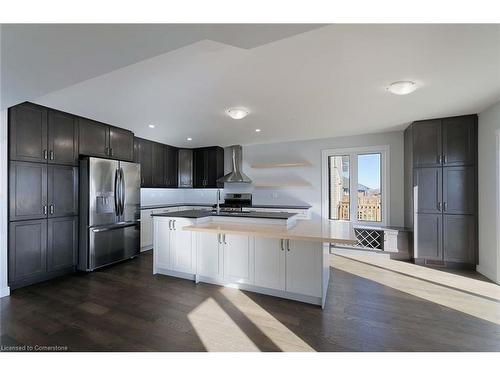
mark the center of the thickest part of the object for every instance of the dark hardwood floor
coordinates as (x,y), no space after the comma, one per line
(126,308)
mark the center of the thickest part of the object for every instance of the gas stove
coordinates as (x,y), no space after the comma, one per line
(236,202)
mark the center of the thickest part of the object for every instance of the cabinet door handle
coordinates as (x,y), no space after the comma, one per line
(224,238)
(173,224)
(288,245)
(51,153)
(170,225)
(45,154)
(281,244)
(439,206)
(51,209)
(440,159)
(44,209)
(444,206)
(111,151)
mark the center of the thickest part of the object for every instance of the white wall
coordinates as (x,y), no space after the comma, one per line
(4,290)
(488,170)
(309,151)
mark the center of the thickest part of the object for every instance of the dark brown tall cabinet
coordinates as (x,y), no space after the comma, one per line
(441,190)
(43,193)
(208,167)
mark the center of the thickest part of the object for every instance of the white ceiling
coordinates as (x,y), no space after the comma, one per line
(328,81)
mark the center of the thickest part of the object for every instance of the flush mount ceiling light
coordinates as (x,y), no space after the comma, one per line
(237,113)
(257,130)
(402,87)
(189,138)
(151,126)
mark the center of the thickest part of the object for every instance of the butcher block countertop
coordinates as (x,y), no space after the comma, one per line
(306,230)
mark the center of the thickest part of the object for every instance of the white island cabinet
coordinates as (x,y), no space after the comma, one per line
(250,254)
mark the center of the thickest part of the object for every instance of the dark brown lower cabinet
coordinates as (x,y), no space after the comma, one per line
(62,243)
(459,238)
(27,250)
(41,249)
(429,241)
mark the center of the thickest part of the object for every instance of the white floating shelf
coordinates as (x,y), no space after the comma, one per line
(282,165)
(281,184)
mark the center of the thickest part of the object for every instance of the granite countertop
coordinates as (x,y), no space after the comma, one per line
(276,206)
(197,214)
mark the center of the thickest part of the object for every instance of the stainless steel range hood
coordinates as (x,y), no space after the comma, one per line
(236,175)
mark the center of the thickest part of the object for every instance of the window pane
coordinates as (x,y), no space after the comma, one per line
(339,187)
(369,187)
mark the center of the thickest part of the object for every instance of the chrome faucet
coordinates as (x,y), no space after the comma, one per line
(218,200)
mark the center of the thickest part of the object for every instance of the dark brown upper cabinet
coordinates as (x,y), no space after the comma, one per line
(159,179)
(121,144)
(62,190)
(62,138)
(143,154)
(427,143)
(459,190)
(185,168)
(208,166)
(39,191)
(428,183)
(27,191)
(101,140)
(459,140)
(171,166)
(93,138)
(28,133)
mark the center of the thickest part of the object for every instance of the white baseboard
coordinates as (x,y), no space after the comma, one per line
(4,292)
(489,273)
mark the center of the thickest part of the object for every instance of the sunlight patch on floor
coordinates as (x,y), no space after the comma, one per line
(276,331)
(468,284)
(458,300)
(217,331)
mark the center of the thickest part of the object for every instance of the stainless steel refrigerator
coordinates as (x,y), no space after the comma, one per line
(109,212)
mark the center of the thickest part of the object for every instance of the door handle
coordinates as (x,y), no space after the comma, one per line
(444,206)
(117,209)
(122,191)
(218,238)
(170,225)
(45,154)
(281,244)
(288,245)
(44,209)
(440,159)
(224,238)
(173,224)
(439,206)
(51,155)
(51,209)
(111,151)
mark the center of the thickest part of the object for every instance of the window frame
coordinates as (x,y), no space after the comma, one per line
(353,152)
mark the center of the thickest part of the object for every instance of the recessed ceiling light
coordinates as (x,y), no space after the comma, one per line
(151,126)
(237,113)
(189,138)
(257,130)
(402,87)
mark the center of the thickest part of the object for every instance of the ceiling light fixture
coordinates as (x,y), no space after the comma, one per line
(151,126)
(237,113)
(402,87)
(189,138)
(257,130)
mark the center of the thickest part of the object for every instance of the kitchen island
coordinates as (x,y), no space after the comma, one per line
(267,252)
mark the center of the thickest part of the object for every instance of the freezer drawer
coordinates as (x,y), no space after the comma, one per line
(113,243)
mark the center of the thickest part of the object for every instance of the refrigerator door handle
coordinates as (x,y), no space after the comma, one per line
(117,207)
(122,190)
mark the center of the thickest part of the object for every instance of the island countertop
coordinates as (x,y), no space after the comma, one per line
(340,233)
(198,214)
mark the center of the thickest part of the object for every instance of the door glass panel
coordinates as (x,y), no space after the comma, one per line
(339,187)
(369,187)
